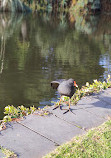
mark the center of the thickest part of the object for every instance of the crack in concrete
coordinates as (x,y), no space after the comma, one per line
(78,126)
(56,144)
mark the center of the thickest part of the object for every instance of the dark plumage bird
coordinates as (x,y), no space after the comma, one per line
(65,87)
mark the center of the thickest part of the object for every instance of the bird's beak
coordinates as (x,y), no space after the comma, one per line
(75,84)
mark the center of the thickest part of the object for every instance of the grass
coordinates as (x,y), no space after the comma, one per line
(96,143)
(8,153)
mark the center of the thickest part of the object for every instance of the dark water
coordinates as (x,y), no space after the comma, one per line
(36,49)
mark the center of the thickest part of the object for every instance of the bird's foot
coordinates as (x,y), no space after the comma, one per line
(58,106)
(67,110)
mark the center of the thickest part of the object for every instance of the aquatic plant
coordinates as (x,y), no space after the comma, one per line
(88,89)
(17,113)
(13,113)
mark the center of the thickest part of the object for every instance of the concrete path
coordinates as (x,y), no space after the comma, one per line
(36,135)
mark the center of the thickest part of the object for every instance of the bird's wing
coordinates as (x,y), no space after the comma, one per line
(55,84)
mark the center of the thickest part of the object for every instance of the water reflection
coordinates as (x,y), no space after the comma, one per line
(105,62)
(36,49)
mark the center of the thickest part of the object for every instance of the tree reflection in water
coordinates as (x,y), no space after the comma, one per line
(38,48)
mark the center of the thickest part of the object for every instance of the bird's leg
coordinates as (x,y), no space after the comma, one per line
(69,103)
(60,101)
(69,107)
(58,104)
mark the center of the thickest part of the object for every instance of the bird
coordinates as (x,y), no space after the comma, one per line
(65,88)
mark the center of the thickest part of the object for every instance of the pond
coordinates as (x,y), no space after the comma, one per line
(38,48)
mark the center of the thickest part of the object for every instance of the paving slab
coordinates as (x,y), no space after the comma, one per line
(79,117)
(52,127)
(90,111)
(105,96)
(95,106)
(24,142)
